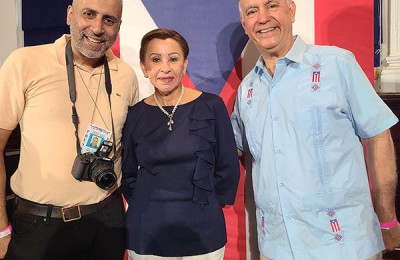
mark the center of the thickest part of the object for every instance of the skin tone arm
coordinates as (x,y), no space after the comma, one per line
(381,163)
(4,135)
(240,153)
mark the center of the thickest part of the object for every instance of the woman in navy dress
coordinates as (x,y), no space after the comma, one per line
(180,164)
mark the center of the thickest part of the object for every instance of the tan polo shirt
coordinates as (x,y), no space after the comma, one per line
(34,93)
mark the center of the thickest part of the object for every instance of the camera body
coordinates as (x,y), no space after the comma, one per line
(96,167)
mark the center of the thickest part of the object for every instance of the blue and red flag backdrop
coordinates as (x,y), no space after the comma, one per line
(220,56)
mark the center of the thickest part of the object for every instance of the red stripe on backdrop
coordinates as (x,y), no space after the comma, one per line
(235,217)
(350,25)
(229,91)
(116,48)
(187,82)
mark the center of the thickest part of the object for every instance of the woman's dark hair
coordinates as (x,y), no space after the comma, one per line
(163,34)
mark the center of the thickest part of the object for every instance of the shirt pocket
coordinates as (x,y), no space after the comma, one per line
(335,217)
(267,223)
(311,112)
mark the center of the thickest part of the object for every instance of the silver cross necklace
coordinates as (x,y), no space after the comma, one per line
(170,116)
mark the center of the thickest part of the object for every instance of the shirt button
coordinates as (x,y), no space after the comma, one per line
(275,118)
(281,184)
(288,218)
(278,151)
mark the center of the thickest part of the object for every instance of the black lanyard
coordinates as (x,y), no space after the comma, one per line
(72,93)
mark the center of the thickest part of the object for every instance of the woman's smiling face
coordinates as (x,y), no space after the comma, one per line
(164,64)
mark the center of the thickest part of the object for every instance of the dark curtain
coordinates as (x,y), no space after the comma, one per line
(43,21)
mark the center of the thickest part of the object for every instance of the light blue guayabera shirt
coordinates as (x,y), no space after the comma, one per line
(303,128)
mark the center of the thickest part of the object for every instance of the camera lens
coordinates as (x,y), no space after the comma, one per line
(104,176)
(106,180)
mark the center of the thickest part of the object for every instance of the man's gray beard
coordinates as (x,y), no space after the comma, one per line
(89,53)
(84,50)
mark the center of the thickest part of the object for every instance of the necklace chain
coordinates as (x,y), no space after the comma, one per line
(170,116)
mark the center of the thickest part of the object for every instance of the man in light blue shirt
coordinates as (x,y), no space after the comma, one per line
(304,113)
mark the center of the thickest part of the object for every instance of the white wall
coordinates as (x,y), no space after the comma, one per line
(304,24)
(10,27)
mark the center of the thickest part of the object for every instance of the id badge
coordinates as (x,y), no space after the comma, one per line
(94,137)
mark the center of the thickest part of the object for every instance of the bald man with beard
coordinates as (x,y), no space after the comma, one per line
(60,213)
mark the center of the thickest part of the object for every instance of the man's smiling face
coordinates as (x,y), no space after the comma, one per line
(94,26)
(268,23)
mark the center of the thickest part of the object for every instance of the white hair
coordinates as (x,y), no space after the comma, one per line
(240,9)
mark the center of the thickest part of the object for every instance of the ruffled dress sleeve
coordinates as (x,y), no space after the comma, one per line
(218,152)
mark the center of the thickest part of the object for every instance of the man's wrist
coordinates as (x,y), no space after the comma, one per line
(389,225)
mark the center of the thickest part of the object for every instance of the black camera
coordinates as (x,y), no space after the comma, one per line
(96,167)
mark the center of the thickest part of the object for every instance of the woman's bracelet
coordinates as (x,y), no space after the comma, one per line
(5,232)
(389,225)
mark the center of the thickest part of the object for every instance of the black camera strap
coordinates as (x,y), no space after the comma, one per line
(69,58)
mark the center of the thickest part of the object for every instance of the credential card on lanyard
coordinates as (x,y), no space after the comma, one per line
(94,137)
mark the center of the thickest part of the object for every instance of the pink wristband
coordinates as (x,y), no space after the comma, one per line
(389,225)
(6,231)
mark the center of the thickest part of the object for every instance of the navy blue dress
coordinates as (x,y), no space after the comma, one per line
(175,182)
